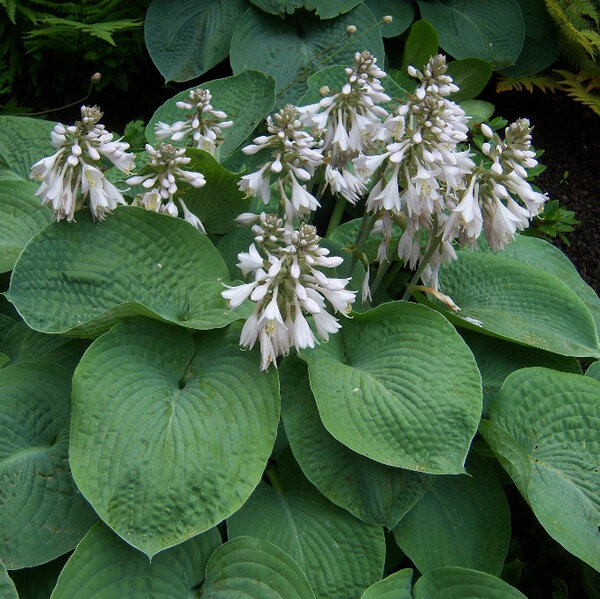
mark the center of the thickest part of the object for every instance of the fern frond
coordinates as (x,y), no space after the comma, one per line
(542,82)
(582,87)
(571,34)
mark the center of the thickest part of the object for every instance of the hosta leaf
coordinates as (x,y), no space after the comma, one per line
(7,587)
(462,583)
(471,75)
(246,99)
(520,302)
(477,29)
(375,493)
(325,9)
(189,37)
(340,555)
(594,370)
(170,431)
(401,11)
(497,358)
(138,263)
(461,521)
(21,344)
(399,386)
(21,216)
(24,141)
(42,514)
(291,49)
(250,567)
(540,47)
(544,426)
(395,586)
(104,567)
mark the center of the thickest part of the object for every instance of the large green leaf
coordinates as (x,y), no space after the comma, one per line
(103,567)
(83,277)
(21,344)
(422,43)
(187,38)
(7,587)
(540,48)
(340,555)
(519,302)
(461,521)
(325,9)
(544,426)
(478,29)
(253,568)
(462,583)
(170,431)
(24,141)
(471,75)
(399,386)
(22,217)
(246,99)
(291,49)
(497,358)
(42,514)
(375,493)
(396,586)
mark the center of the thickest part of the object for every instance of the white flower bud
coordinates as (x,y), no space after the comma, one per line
(351,29)
(387,19)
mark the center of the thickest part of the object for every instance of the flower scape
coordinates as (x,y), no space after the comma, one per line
(409,159)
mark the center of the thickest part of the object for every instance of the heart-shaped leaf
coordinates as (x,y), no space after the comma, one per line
(21,216)
(477,29)
(104,567)
(189,37)
(170,431)
(462,583)
(544,426)
(246,99)
(291,49)
(83,277)
(461,521)
(340,555)
(375,493)
(42,514)
(415,405)
(250,567)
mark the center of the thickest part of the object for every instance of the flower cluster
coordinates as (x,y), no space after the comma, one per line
(161,182)
(72,174)
(287,283)
(349,123)
(294,158)
(203,123)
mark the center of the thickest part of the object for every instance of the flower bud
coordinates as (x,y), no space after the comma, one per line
(324,91)
(95,78)
(351,29)
(387,19)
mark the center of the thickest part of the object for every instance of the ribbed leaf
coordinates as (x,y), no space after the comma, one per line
(462,583)
(170,431)
(375,493)
(461,521)
(246,99)
(396,586)
(42,514)
(187,38)
(24,141)
(544,426)
(477,29)
(247,568)
(325,9)
(22,217)
(104,567)
(83,277)
(399,386)
(288,49)
(340,555)
(520,302)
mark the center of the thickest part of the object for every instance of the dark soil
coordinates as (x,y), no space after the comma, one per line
(569,134)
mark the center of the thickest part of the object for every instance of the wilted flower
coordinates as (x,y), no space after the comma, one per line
(166,172)
(203,123)
(287,285)
(294,158)
(70,175)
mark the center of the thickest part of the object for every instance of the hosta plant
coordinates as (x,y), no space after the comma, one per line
(216,381)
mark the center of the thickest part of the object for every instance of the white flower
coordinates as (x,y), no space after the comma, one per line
(104,196)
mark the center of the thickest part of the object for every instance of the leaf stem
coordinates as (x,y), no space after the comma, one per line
(363,233)
(336,215)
